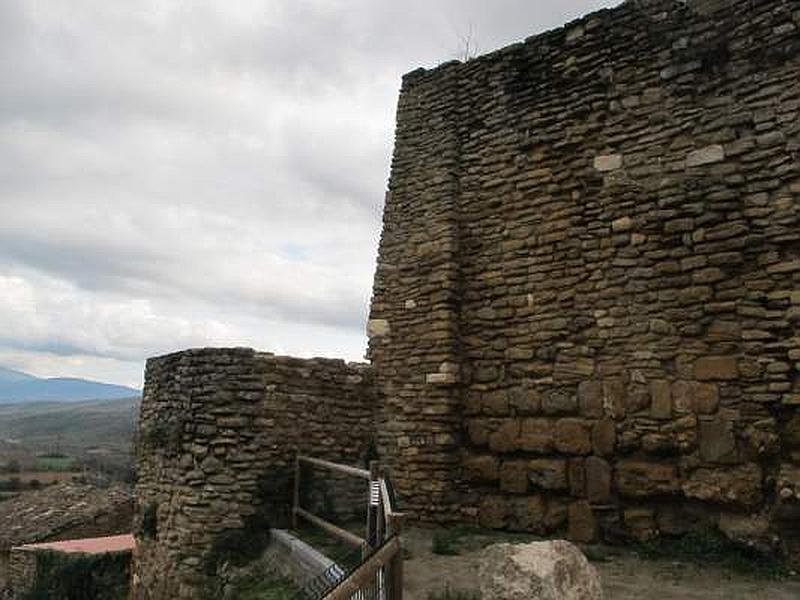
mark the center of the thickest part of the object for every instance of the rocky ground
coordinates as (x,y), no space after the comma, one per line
(625,574)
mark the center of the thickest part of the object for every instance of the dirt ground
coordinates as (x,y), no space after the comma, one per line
(625,576)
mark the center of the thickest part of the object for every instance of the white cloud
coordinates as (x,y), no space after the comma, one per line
(178,174)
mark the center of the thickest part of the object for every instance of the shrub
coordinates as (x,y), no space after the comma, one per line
(90,577)
(709,547)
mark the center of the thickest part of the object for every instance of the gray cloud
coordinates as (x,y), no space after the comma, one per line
(176,174)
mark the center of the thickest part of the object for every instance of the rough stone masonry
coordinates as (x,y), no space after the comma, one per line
(586,310)
(218,433)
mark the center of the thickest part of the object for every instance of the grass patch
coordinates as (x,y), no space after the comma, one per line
(56,463)
(269,589)
(450,594)
(446,542)
(330,546)
(705,548)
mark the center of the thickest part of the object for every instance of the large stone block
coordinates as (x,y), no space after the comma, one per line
(604,437)
(598,480)
(614,398)
(716,367)
(537,571)
(639,479)
(608,162)
(573,436)
(493,512)
(590,396)
(582,522)
(514,476)
(661,406)
(705,156)
(537,435)
(717,441)
(548,473)
(741,485)
(482,468)
(506,438)
(527,514)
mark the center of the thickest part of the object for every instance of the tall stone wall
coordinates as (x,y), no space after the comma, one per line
(586,311)
(219,430)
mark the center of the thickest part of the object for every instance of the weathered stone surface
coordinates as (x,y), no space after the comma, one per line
(731,485)
(604,437)
(493,512)
(598,480)
(548,473)
(582,522)
(378,328)
(749,530)
(717,442)
(706,155)
(537,436)
(608,162)
(514,476)
(554,570)
(716,367)
(65,511)
(705,398)
(661,407)
(527,514)
(482,468)
(590,396)
(506,438)
(573,436)
(641,523)
(638,479)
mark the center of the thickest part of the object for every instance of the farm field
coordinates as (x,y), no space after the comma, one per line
(49,442)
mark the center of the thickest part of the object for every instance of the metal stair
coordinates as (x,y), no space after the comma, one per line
(324,583)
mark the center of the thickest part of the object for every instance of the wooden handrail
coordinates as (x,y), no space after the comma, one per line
(326,464)
(342,534)
(363,574)
(395,519)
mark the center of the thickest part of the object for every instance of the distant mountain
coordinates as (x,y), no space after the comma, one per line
(16,386)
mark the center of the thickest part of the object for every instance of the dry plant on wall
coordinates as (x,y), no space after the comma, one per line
(468,44)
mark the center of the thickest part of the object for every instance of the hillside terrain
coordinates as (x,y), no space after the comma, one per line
(16,386)
(50,441)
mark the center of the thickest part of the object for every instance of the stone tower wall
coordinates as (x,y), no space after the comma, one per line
(586,311)
(218,433)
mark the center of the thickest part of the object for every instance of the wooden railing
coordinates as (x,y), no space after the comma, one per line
(380,572)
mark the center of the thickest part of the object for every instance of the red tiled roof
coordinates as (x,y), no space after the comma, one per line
(114,543)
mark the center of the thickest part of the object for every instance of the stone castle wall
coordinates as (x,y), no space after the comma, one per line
(219,430)
(586,311)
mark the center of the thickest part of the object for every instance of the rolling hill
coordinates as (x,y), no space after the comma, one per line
(78,424)
(16,386)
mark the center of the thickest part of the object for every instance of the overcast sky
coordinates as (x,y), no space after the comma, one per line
(180,173)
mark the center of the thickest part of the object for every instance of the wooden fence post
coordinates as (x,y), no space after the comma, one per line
(395,584)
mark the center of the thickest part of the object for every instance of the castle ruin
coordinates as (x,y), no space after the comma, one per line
(586,310)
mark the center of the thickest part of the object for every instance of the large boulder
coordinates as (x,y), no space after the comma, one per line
(555,570)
